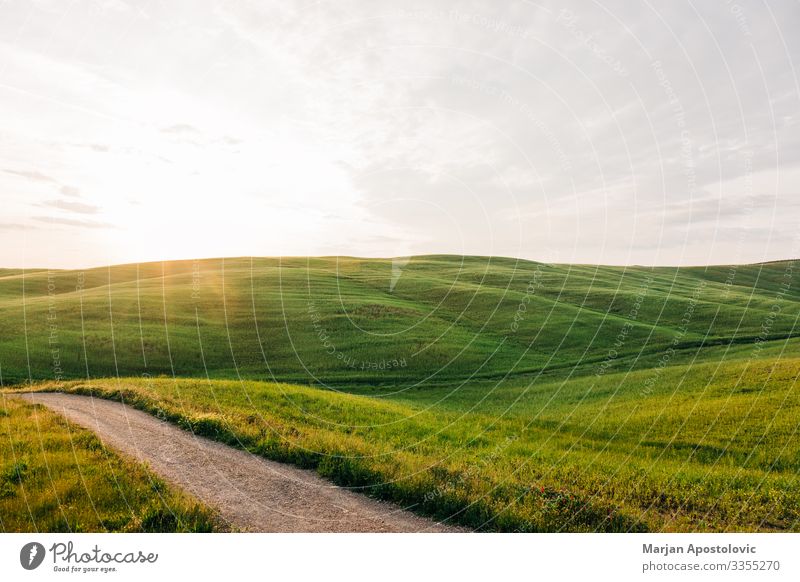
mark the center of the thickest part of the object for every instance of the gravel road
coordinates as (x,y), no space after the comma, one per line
(251,493)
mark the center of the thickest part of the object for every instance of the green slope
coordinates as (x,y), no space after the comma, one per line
(707,449)
(335,320)
(503,394)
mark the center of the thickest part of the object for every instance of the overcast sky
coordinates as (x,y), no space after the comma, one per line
(608,132)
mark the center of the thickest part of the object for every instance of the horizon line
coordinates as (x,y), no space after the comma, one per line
(430,255)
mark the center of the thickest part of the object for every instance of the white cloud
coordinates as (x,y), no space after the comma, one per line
(595,133)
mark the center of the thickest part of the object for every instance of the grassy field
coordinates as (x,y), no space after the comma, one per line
(56,477)
(501,394)
(336,321)
(693,455)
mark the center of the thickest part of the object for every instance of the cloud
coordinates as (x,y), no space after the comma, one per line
(95,147)
(13,226)
(181,129)
(70,206)
(34,176)
(73,222)
(717,208)
(473,126)
(66,190)
(231,141)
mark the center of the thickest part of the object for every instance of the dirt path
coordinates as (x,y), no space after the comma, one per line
(252,493)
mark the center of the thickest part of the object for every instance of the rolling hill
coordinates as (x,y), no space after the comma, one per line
(496,393)
(335,321)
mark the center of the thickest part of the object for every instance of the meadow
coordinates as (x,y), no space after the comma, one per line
(500,394)
(57,477)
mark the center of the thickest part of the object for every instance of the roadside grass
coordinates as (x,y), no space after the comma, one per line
(688,456)
(57,477)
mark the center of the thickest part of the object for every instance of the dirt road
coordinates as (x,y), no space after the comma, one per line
(251,493)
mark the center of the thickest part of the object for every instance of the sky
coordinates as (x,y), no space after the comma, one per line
(592,132)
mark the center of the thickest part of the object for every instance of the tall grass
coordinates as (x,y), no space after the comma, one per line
(56,477)
(683,458)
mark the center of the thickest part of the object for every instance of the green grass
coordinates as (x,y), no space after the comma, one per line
(501,394)
(691,456)
(56,477)
(335,320)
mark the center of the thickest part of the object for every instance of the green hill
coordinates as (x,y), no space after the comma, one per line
(336,321)
(500,394)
